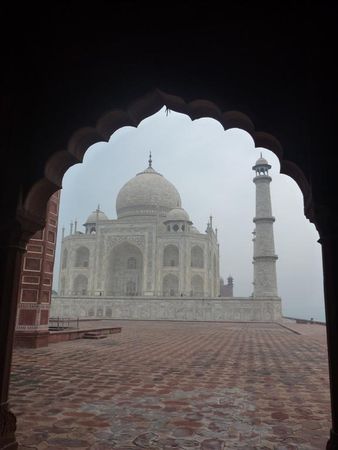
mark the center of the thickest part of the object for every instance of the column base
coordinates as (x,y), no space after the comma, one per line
(31,339)
(7,428)
(332,443)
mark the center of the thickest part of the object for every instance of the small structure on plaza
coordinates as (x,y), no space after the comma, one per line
(152,263)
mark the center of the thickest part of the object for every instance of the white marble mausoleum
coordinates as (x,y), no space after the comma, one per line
(152,263)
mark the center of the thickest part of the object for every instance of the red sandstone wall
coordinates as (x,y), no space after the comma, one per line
(226,290)
(36,281)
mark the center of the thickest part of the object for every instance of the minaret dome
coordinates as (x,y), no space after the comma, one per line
(262,166)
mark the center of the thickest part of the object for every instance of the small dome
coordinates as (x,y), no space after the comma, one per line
(261,162)
(261,166)
(97,214)
(193,229)
(178,214)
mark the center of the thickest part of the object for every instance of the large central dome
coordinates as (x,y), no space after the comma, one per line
(147,194)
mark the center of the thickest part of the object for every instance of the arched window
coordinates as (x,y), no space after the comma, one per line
(170,285)
(171,256)
(197,258)
(197,286)
(131,263)
(64,258)
(124,275)
(82,257)
(80,285)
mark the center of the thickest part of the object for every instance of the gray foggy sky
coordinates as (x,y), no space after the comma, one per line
(212,170)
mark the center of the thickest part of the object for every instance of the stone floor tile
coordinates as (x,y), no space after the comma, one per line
(175,385)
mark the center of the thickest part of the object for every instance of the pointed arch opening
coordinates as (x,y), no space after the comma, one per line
(197,286)
(171,256)
(197,257)
(82,257)
(124,276)
(64,259)
(80,285)
(170,285)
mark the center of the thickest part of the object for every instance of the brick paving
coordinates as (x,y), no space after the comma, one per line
(175,385)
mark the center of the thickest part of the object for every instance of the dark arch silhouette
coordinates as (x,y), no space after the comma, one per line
(141,108)
(273,63)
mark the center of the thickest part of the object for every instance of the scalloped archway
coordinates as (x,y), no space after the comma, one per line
(34,204)
(140,109)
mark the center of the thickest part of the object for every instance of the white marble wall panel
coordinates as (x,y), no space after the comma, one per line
(186,309)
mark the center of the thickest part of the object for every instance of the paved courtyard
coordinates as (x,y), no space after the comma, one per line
(175,385)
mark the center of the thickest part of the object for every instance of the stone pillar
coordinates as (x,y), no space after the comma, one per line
(264,260)
(327,228)
(35,287)
(10,266)
(13,239)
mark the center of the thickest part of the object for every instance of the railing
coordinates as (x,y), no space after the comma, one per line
(305,320)
(60,323)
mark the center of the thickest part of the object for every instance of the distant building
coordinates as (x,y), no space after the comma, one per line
(227,290)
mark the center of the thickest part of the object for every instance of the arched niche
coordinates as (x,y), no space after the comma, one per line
(197,286)
(170,285)
(171,256)
(124,275)
(80,285)
(82,257)
(64,259)
(197,257)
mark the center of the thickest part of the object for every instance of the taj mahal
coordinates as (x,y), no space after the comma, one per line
(151,263)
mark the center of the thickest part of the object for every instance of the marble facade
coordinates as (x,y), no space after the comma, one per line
(151,249)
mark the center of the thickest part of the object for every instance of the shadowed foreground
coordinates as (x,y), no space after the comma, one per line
(176,385)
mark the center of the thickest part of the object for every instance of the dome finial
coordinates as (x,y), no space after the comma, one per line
(150,160)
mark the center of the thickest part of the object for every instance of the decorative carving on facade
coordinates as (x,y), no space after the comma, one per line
(171,308)
(138,240)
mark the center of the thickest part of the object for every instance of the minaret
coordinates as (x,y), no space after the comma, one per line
(264,259)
